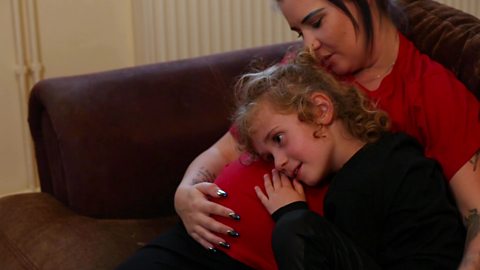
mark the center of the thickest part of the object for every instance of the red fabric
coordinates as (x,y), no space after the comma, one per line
(253,247)
(425,100)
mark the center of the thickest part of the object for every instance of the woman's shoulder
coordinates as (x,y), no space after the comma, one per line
(424,80)
(417,67)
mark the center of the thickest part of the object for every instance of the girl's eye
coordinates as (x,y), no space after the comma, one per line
(299,35)
(278,138)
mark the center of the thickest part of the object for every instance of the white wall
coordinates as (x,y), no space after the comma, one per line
(13,172)
(79,36)
(174,29)
(74,37)
(469,6)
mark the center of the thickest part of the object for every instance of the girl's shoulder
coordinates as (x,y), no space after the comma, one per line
(387,153)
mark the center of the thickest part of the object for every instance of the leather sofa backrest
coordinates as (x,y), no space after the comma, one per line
(116,144)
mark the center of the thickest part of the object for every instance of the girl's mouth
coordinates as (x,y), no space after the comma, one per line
(296,172)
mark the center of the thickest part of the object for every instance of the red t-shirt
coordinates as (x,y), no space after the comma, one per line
(422,98)
(426,101)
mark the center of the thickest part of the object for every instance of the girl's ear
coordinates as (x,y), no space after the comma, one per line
(324,108)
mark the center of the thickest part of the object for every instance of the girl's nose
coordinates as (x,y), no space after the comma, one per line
(280,161)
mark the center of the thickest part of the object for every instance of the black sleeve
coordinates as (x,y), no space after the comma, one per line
(288,208)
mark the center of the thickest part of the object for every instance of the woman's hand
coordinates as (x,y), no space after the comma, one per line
(195,210)
(191,197)
(280,191)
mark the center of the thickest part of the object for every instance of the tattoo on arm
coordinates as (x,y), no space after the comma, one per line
(474,160)
(473,225)
(203,175)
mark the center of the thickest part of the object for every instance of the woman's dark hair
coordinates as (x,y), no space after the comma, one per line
(389,8)
(385,7)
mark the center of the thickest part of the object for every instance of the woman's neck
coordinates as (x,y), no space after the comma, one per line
(383,55)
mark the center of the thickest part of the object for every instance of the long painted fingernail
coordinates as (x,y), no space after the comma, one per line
(234,216)
(221,193)
(233,233)
(224,244)
(212,250)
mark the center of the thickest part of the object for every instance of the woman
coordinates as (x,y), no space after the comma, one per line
(386,207)
(358,41)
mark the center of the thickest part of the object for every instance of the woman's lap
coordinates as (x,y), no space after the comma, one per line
(175,249)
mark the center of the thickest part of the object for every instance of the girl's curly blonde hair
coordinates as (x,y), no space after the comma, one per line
(288,88)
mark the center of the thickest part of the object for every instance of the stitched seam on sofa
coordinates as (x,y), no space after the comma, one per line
(469,30)
(54,156)
(24,260)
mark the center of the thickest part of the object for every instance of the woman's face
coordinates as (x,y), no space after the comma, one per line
(328,32)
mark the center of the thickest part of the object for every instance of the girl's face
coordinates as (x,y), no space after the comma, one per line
(291,145)
(328,32)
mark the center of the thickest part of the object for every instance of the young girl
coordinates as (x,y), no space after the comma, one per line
(387,205)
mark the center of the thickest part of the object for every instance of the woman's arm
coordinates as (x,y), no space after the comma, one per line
(191,197)
(452,138)
(465,185)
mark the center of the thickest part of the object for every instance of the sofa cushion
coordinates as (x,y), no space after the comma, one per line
(448,36)
(38,232)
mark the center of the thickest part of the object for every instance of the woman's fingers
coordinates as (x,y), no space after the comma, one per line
(204,233)
(211,189)
(196,212)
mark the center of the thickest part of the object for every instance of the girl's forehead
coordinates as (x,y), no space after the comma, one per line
(261,108)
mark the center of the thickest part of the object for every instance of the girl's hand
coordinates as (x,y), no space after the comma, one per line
(194,208)
(280,191)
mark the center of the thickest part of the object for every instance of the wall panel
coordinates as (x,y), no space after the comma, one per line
(189,28)
(470,6)
(175,29)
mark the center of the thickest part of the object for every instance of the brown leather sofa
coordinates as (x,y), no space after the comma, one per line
(111,147)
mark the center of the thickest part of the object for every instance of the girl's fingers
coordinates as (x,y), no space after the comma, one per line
(276,179)
(285,181)
(263,198)
(298,187)
(267,182)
